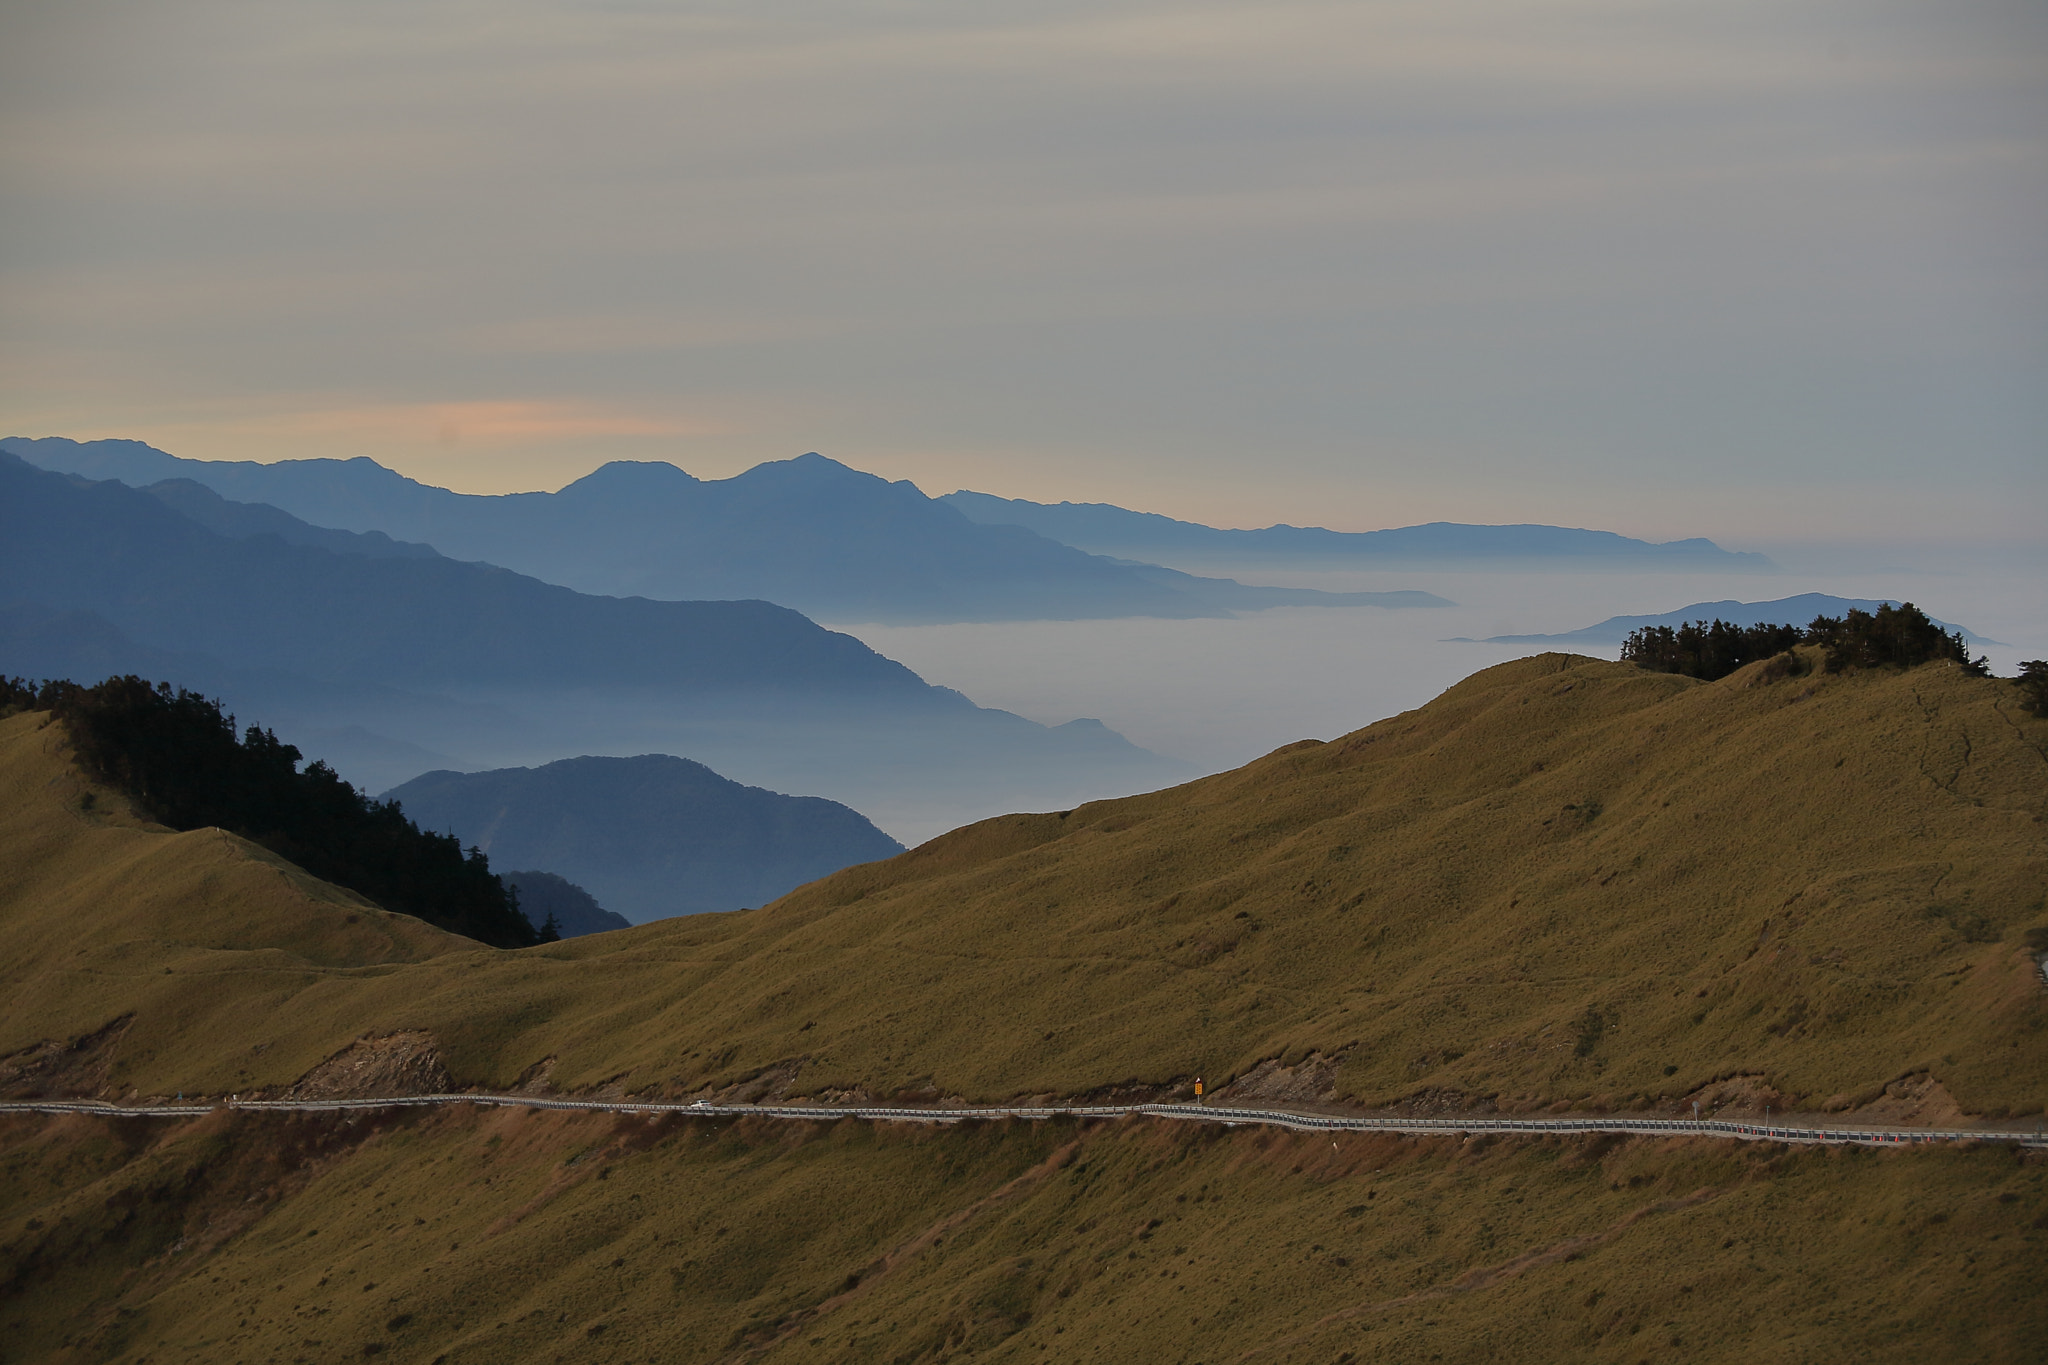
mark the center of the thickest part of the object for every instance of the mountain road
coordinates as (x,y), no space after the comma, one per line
(1467,1126)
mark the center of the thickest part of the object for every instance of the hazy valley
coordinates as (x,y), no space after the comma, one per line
(391,665)
(1189,692)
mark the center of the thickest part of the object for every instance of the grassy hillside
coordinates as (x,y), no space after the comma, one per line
(110,920)
(1563,882)
(493,1237)
(1548,887)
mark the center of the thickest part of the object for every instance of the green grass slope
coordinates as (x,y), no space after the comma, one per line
(110,919)
(490,1237)
(1563,881)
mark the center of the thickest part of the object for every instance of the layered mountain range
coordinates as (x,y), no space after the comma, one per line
(1564,886)
(807,533)
(1106,529)
(387,661)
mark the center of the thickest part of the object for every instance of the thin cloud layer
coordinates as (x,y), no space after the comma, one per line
(1777,268)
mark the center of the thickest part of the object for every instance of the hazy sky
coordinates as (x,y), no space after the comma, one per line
(1752,269)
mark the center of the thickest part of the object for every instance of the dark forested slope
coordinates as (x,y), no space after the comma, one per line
(179,758)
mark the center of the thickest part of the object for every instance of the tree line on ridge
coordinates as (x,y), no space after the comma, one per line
(1892,635)
(178,756)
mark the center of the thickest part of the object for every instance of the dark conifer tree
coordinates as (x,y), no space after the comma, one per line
(1700,649)
(1900,636)
(2033,683)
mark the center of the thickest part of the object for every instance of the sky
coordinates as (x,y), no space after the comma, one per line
(1769,271)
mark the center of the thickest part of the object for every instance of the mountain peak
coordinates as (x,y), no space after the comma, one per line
(652,835)
(811,469)
(632,476)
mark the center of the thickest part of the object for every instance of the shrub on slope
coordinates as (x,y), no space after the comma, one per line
(1902,636)
(1698,649)
(177,755)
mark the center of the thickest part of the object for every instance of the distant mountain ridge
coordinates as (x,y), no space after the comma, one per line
(247,520)
(808,533)
(424,622)
(392,663)
(1106,529)
(1792,611)
(352,726)
(651,836)
(544,896)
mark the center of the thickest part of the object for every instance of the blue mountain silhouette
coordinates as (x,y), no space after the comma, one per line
(1110,530)
(649,836)
(393,662)
(808,533)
